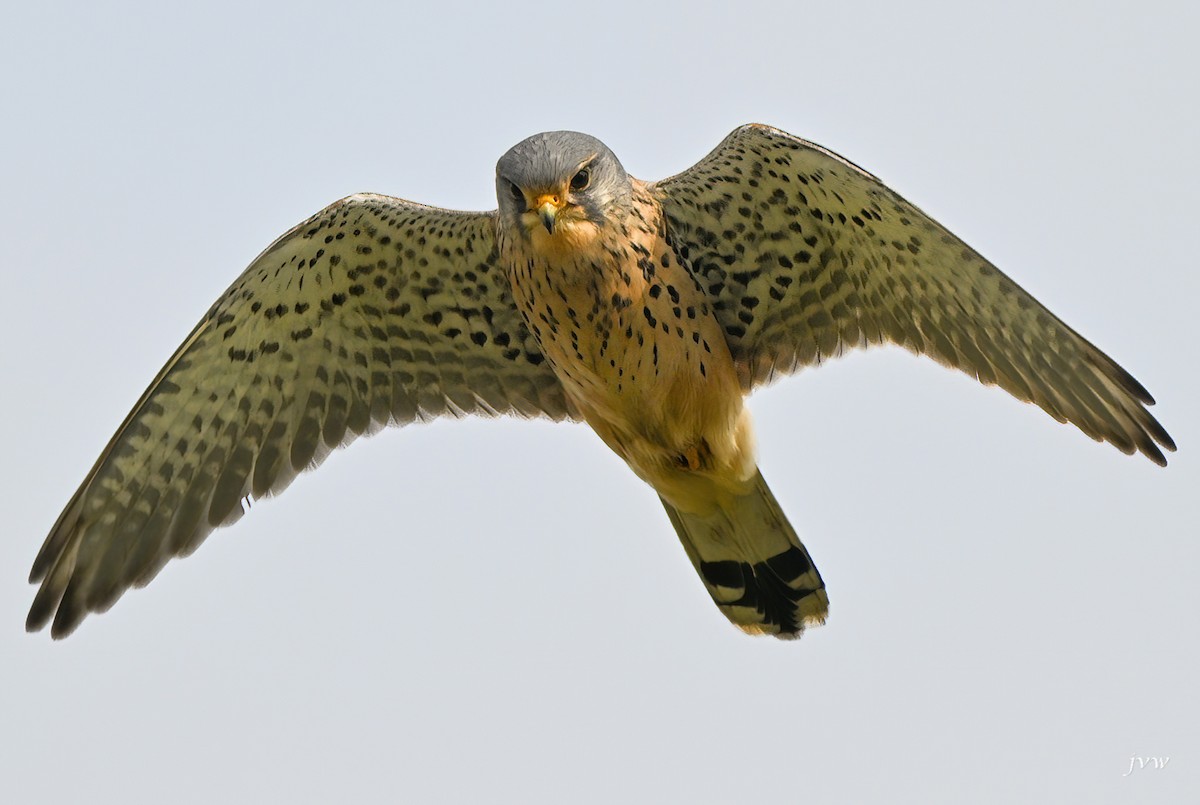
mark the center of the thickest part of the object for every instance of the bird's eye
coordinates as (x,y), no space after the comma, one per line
(580,180)
(517,194)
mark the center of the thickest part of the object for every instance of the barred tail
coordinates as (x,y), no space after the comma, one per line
(753,564)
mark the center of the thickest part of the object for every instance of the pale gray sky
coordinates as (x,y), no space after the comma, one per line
(498,611)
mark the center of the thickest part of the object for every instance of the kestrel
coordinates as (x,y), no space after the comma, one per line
(647,310)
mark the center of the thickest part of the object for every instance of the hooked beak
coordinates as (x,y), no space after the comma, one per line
(547,207)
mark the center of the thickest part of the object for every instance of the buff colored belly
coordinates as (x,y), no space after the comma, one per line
(646,365)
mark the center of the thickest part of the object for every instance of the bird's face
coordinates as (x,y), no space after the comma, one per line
(560,189)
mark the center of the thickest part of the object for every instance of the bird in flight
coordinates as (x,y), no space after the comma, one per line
(647,310)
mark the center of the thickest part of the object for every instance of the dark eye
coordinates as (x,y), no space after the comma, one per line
(580,180)
(517,194)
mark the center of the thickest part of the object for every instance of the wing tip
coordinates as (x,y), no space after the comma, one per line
(53,606)
(44,607)
(1152,451)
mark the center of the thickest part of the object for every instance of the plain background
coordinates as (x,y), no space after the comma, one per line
(498,611)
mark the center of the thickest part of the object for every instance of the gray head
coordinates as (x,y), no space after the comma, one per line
(558,180)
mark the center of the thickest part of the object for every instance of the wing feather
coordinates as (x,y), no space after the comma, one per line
(375,311)
(806,255)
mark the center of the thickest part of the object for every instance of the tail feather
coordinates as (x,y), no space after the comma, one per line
(753,564)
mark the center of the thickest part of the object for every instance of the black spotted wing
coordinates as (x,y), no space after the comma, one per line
(376,311)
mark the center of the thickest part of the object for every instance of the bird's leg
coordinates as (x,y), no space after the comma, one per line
(696,456)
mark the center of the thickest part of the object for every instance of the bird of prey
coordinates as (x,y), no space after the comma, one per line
(647,310)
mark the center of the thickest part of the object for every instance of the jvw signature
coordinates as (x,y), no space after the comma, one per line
(1138,762)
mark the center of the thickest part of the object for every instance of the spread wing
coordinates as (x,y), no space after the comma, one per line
(805,254)
(375,311)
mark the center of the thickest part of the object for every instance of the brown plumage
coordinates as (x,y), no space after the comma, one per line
(647,310)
